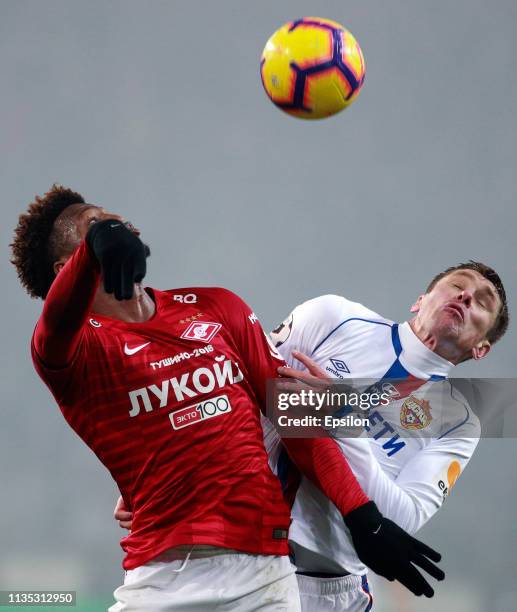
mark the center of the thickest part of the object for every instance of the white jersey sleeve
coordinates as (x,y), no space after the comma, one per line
(310,324)
(422,485)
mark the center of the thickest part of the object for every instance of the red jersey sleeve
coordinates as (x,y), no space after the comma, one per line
(60,328)
(319,459)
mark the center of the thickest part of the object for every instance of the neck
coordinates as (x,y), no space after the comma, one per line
(443,347)
(136,310)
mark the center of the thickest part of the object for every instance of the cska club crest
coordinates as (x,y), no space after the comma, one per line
(415,413)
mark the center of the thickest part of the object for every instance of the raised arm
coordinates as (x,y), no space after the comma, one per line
(60,328)
(109,247)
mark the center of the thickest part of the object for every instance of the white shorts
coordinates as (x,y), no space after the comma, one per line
(346,594)
(228,582)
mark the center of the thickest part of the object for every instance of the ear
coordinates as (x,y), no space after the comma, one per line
(481,350)
(58,265)
(417,304)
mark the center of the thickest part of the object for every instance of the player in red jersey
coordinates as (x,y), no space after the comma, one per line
(166,388)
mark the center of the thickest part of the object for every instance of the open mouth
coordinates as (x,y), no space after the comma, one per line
(457,309)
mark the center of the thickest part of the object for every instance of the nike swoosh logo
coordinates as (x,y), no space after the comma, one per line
(377,530)
(132,351)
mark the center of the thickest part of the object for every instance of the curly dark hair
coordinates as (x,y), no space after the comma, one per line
(34,248)
(500,325)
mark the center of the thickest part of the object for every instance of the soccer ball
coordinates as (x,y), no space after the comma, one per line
(312,68)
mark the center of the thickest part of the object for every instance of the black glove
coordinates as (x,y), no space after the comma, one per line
(390,551)
(121,254)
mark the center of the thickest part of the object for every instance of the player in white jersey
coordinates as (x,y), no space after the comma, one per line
(462,313)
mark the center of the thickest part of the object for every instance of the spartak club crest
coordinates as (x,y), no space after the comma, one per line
(415,413)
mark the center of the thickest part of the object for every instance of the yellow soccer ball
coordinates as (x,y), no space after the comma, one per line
(312,68)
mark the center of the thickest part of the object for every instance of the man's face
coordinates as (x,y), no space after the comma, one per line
(83,216)
(460,310)
(73,225)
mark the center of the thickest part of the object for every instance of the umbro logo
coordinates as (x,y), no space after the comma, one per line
(340,366)
(135,349)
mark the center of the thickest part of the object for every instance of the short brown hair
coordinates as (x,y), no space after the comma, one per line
(31,248)
(502,320)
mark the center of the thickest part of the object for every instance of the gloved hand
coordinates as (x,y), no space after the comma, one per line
(390,551)
(121,254)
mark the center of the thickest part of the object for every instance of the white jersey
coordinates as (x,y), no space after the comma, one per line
(408,476)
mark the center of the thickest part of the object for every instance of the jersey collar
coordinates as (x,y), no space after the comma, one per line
(417,358)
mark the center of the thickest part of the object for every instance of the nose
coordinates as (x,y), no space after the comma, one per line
(466,297)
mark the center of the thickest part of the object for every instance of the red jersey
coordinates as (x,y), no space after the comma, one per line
(171,407)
